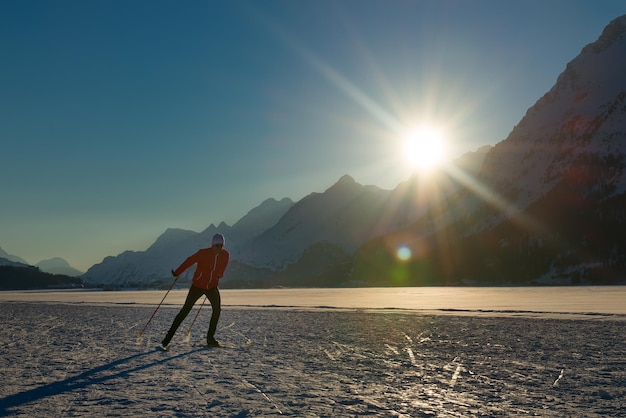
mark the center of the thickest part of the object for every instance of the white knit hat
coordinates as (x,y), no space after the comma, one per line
(217,239)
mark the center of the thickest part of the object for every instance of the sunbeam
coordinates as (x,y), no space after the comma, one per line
(333,76)
(507,209)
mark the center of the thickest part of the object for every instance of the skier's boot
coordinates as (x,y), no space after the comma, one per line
(166,341)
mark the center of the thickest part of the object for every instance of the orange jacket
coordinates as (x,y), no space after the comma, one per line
(210,267)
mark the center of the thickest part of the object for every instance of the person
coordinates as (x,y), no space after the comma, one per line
(210,266)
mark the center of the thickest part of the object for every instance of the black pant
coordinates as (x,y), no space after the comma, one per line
(194,294)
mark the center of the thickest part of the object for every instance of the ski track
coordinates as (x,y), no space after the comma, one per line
(74,360)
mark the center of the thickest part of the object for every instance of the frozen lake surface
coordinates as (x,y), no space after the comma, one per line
(75,359)
(607,300)
(404,352)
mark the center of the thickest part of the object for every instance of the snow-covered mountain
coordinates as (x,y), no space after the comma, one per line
(344,214)
(549,203)
(174,245)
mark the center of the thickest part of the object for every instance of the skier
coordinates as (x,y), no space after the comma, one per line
(211,263)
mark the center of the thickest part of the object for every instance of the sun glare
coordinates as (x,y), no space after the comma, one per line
(424,148)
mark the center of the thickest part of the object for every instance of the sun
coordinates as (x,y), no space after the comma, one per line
(424,148)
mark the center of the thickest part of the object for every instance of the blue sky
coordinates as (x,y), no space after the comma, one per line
(123,118)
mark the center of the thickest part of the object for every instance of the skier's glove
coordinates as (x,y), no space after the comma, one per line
(174,274)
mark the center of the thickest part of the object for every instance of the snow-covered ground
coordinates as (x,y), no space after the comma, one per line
(85,358)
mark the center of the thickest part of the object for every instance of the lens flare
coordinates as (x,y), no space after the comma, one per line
(404,253)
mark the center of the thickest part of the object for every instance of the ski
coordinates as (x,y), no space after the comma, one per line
(226,345)
(214,346)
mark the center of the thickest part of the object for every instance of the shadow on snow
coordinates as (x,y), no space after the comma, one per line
(81,381)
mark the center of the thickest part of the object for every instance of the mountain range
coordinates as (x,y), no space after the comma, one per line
(269,241)
(547,205)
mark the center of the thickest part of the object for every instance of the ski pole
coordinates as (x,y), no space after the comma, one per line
(157,308)
(196,317)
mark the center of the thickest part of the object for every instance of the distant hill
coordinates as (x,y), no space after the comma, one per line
(29,277)
(7,262)
(58,265)
(7,256)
